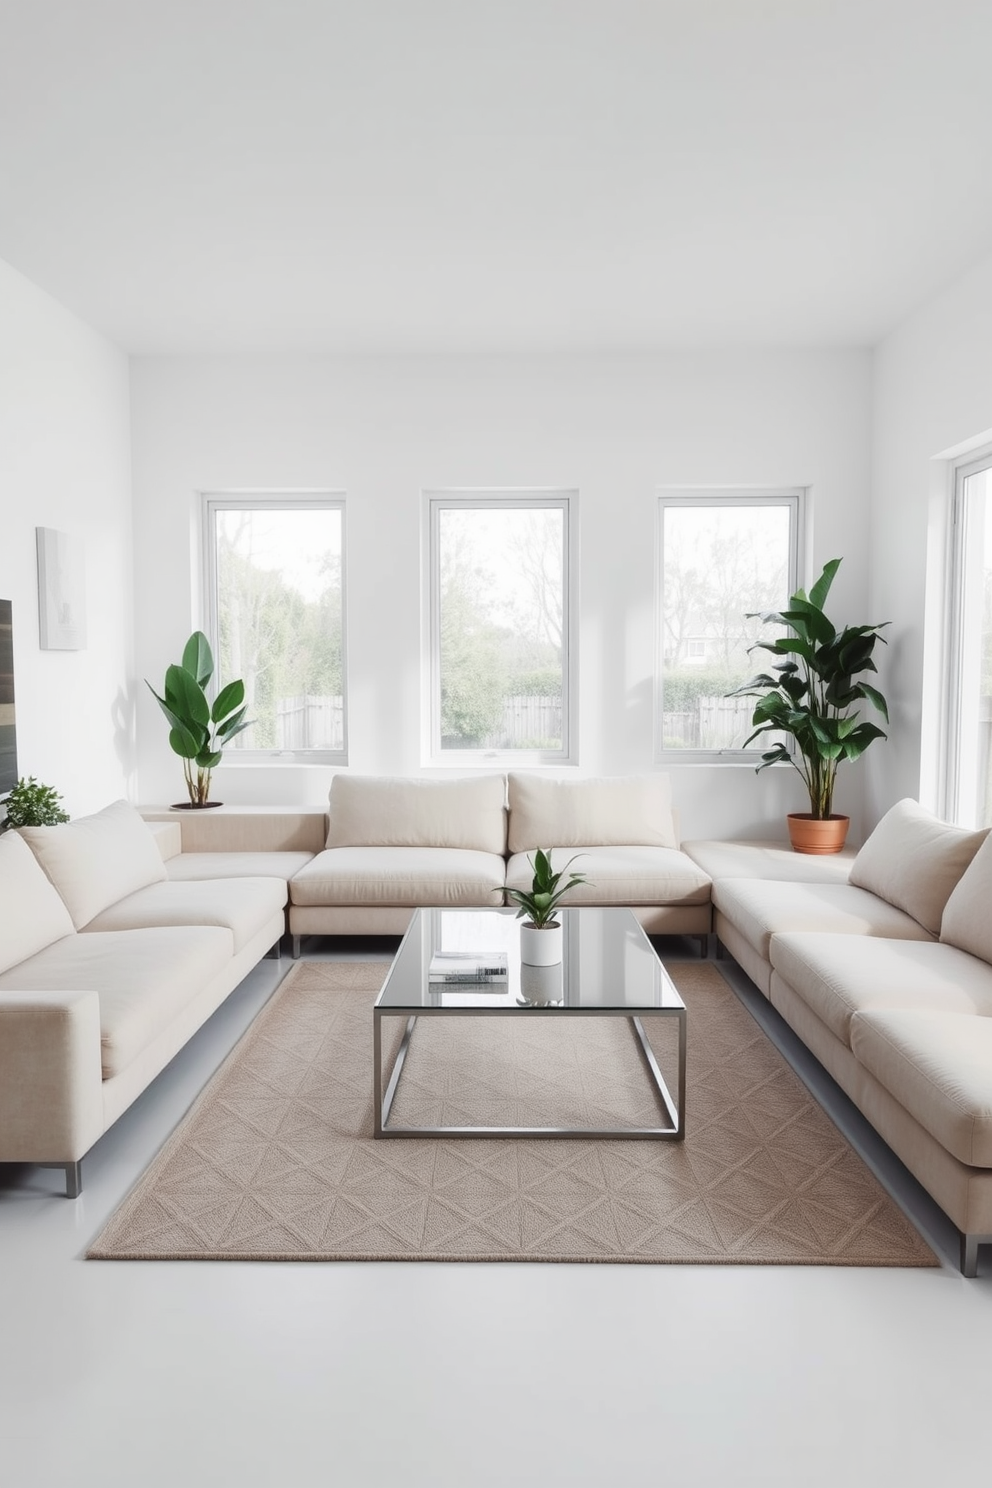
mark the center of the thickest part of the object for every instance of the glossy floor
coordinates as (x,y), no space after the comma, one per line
(231,1375)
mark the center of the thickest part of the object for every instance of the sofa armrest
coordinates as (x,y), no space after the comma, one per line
(51,1081)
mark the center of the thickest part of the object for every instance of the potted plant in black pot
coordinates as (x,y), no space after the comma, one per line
(540,935)
(813,695)
(198,731)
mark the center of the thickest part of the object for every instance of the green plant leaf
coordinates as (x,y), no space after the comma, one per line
(821,588)
(184,743)
(228,699)
(877,701)
(198,658)
(208,759)
(186,697)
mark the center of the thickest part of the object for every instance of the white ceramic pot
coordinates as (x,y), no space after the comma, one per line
(542,986)
(540,947)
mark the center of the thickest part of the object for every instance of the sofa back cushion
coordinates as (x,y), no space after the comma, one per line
(604,811)
(96,860)
(33,914)
(914,861)
(394,811)
(967,921)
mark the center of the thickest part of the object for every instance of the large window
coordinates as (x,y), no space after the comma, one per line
(275,599)
(501,662)
(722,555)
(970,711)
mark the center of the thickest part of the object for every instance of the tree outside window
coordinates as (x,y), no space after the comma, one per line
(276,581)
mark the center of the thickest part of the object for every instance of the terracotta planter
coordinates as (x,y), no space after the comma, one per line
(808,835)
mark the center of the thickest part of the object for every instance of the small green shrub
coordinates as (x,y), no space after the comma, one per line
(32,805)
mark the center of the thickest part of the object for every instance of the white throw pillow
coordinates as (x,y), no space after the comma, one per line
(604,811)
(914,861)
(967,921)
(33,914)
(396,811)
(96,860)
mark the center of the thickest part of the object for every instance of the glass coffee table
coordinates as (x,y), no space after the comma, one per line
(465,963)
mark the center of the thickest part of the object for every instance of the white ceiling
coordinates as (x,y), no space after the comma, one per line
(439,175)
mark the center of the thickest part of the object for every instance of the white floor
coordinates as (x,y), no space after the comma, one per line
(189,1375)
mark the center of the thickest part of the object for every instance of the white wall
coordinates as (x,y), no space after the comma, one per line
(615,428)
(65,463)
(932,398)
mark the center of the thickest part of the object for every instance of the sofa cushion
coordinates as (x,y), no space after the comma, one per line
(33,914)
(913,860)
(939,1067)
(840,975)
(242,905)
(763,908)
(143,978)
(768,860)
(414,876)
(621,875)
(392,811)
(96,860)
(205,865)
(605,811)
(967,921)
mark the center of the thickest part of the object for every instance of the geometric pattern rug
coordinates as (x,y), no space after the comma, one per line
(276,1159)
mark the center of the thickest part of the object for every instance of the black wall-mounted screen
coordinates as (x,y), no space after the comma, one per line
(8,734)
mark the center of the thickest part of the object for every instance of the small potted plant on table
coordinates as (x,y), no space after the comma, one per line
(540,935)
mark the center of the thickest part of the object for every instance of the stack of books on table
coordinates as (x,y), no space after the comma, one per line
(451,970)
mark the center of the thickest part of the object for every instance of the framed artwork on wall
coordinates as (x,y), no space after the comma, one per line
(61,591)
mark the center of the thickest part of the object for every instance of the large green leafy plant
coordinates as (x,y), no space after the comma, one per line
(198,730)
(814,692)
(538,903)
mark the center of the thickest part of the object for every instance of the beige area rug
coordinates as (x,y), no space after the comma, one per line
(276,1160)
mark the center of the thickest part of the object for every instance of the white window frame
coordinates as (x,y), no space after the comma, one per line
(434,502)
(214,501)
(795,498)
(954,807)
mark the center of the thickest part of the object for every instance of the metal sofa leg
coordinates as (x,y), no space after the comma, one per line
(73,1176)
(275,951)
(969,1255)
(296,947)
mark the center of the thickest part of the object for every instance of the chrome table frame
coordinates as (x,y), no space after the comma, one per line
(673,1108)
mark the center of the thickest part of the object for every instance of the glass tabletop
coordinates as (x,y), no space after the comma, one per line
(469,960)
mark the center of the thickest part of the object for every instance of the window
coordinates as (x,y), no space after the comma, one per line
(970,710)
(275,602)
(722,555)
(501,665)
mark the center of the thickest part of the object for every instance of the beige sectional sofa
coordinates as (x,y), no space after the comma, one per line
(107,968)
(883,967)
(396,843)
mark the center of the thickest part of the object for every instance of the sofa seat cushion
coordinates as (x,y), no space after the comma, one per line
(605,811)
(768,860)
(913,860)
(143,978)
(95,860)
(621,875)
(396,811)
(938,1066)
(241,905)
(840,975)
(405,876)
(32,912)
(763,908)
(190,866)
